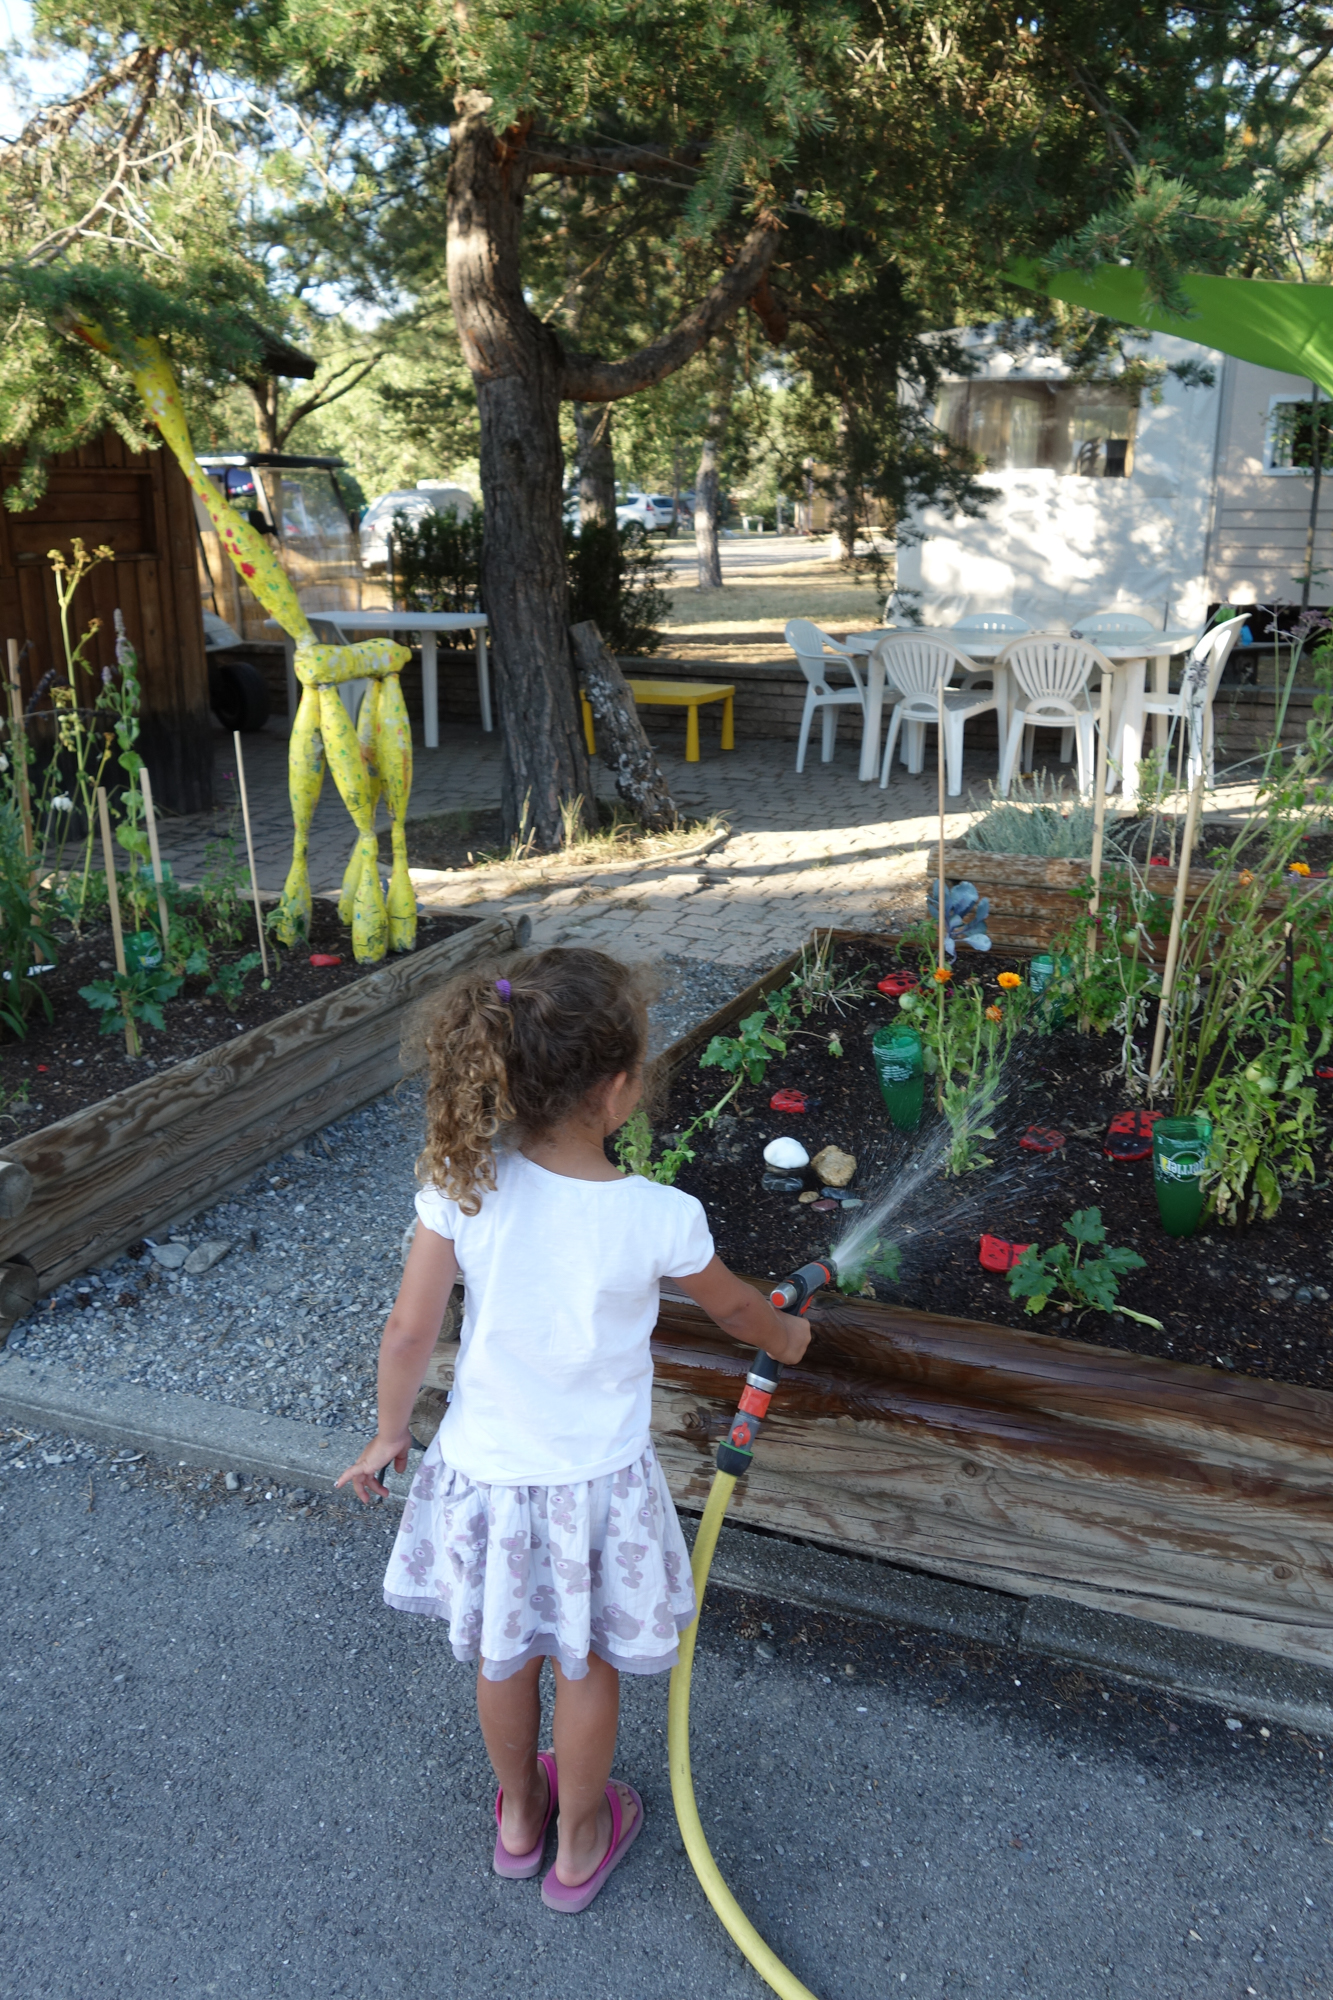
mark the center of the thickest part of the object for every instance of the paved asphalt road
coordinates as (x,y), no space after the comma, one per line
(228,1770)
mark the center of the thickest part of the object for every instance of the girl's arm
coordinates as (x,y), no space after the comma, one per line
(409,1338)
(745,1313)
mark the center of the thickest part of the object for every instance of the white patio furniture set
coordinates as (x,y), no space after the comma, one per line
(1032,680)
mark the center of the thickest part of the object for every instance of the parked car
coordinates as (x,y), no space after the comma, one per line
(648,510)
(415,503)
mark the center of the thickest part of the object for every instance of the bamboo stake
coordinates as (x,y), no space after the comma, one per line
(1173,941)
(1099,812)
(250,850)
(19,745)
(939,696)
(117,935)
(151,817)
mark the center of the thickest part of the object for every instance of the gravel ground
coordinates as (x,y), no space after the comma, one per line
(288,1321)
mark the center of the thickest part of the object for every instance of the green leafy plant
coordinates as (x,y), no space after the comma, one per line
(1077,1283)
(230,976)
(140,994)
(1035,821)
(26,943)
(634,1143)
(965,1041)
(880,1260)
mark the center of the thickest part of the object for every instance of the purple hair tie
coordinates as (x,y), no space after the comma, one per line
(504,989)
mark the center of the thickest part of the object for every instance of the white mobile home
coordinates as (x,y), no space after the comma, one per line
(1105,499)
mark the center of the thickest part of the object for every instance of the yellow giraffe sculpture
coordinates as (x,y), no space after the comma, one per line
(373,759)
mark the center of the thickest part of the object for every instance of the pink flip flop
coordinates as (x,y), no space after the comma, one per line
(554,1893)
(522,1867)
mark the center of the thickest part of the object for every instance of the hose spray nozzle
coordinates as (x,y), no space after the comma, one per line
(795,1293)
(792,1296)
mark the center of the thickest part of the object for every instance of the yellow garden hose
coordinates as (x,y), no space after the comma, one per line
(793,1296)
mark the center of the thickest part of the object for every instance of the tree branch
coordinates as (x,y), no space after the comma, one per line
(586,379)
(553,156)
(321,398)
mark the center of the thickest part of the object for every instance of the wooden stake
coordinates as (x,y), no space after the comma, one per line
(250,849)
(939,692)
(1173,942)
(113,899)
(19,745)
(151,818)
(1099,813)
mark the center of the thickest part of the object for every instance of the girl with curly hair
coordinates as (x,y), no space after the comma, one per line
(539,1524)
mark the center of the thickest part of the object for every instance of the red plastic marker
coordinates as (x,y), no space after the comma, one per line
(997,1255)
(325,958)
(1042,1139)
(1324,1075)
(1129,1135)
(894,984)
(789,1100)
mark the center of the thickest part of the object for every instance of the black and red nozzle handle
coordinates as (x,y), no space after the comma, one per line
(794,1296)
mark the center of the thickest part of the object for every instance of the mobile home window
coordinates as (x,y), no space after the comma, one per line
(1083,430)
(1287,441)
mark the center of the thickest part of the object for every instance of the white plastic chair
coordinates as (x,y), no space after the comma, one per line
(915,664)
(1193,701)
(1051,674)
(816,654)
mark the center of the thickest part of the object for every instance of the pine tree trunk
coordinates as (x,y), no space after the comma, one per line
(597,465)
(621,742)
(516,367)
(844,509)
(265,391)
(706,484)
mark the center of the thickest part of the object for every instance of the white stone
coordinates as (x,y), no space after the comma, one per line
(786,1154)
(207,1255)
(171,1255)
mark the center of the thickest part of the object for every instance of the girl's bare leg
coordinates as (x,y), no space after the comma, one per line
(510,1713)
(587,1714)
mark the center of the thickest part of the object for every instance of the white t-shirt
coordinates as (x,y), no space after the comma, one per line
(554,1377)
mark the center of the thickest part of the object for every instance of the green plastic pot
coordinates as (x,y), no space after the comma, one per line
(1179,1156)
(901,1074)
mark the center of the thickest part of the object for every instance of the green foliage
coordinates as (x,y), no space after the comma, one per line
(634,1143)
(435,563)
(140,994)
(25,939)
(880,1260)
(1032,823)
(1077,1284)
(965,1046)
(229,977)
(616,578)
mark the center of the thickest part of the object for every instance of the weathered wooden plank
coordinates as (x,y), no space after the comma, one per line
(163,1147)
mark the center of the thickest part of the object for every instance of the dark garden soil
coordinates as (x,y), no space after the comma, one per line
(66,1063)
(1214,843)
(1254,1300)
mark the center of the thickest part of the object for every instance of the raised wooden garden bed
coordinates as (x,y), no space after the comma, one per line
(1029,1462)
(76,1192)
(1033,900)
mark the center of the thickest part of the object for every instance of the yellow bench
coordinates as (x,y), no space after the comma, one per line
(677,694)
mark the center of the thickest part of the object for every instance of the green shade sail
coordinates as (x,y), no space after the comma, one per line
(1284,326)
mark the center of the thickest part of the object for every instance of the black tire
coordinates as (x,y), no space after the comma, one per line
(237,695)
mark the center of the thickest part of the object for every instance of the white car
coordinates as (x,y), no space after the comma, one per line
(415,503)
(649,510)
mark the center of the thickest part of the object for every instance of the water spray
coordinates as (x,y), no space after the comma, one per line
(794,1295)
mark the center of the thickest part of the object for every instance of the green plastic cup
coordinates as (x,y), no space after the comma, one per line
(1179,1156)
(901,1073)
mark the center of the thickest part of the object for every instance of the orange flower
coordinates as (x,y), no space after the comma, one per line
(943,974)
(1245,878)
(1009,980)
(1300,867)
(994,1013)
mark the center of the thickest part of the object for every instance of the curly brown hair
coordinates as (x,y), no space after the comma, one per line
(572,1020)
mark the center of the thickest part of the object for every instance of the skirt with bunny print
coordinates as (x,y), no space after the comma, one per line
(599,1566)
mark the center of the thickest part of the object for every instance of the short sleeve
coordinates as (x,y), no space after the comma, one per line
(437,1212)
(692,1246)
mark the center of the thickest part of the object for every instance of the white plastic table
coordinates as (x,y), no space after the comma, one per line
(429,624)
(1129,659)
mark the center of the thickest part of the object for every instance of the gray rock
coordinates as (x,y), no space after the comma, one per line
(170,1255)
(207,1255)
(233,1482)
